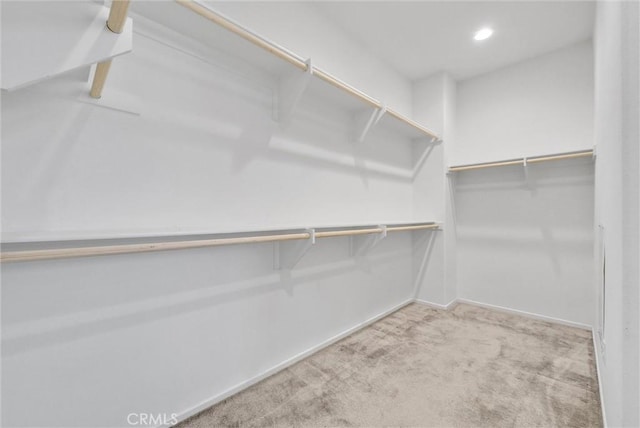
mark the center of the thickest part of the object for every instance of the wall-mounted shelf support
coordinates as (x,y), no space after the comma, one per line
(362,244)
(525,167)
(290,91)
(288,254)
(421,152)
(374,118)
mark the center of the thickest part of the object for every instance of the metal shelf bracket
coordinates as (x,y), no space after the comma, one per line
(362,244)
(290,91)
(288,254)
(373,120)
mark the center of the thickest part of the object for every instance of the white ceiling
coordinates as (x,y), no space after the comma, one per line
(421,38)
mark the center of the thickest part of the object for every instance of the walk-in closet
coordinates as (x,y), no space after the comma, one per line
(319,213)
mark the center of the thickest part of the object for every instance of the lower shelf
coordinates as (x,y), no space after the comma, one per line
(309,237)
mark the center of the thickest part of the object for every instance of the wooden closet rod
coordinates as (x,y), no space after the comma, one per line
(522,161)
(345,87)
(246,34)
(115,23)
(561,156)
(31,255)
(290,57)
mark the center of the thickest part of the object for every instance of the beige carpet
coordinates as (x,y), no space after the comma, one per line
(468,367)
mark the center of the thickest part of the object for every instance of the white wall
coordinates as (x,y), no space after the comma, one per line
(542,105)
(617,192)
(185,146)
(429,109)
(434,264)
(526,243)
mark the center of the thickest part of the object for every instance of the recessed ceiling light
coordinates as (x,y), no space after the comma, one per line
(483,34)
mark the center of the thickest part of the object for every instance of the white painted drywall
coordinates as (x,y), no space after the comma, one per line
(526,243)
(543,105)
(450,234)
(181,143)
(428,192)
(616,209)
(428,107)
(434,261)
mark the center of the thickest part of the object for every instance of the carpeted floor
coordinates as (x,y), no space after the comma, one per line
(467,367)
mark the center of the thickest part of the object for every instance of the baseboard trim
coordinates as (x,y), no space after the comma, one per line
(446,307)
(527,314)
(273,370)
(596,349)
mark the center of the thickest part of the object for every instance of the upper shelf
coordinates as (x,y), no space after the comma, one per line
(235,40)
(524,161)
(42,39)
